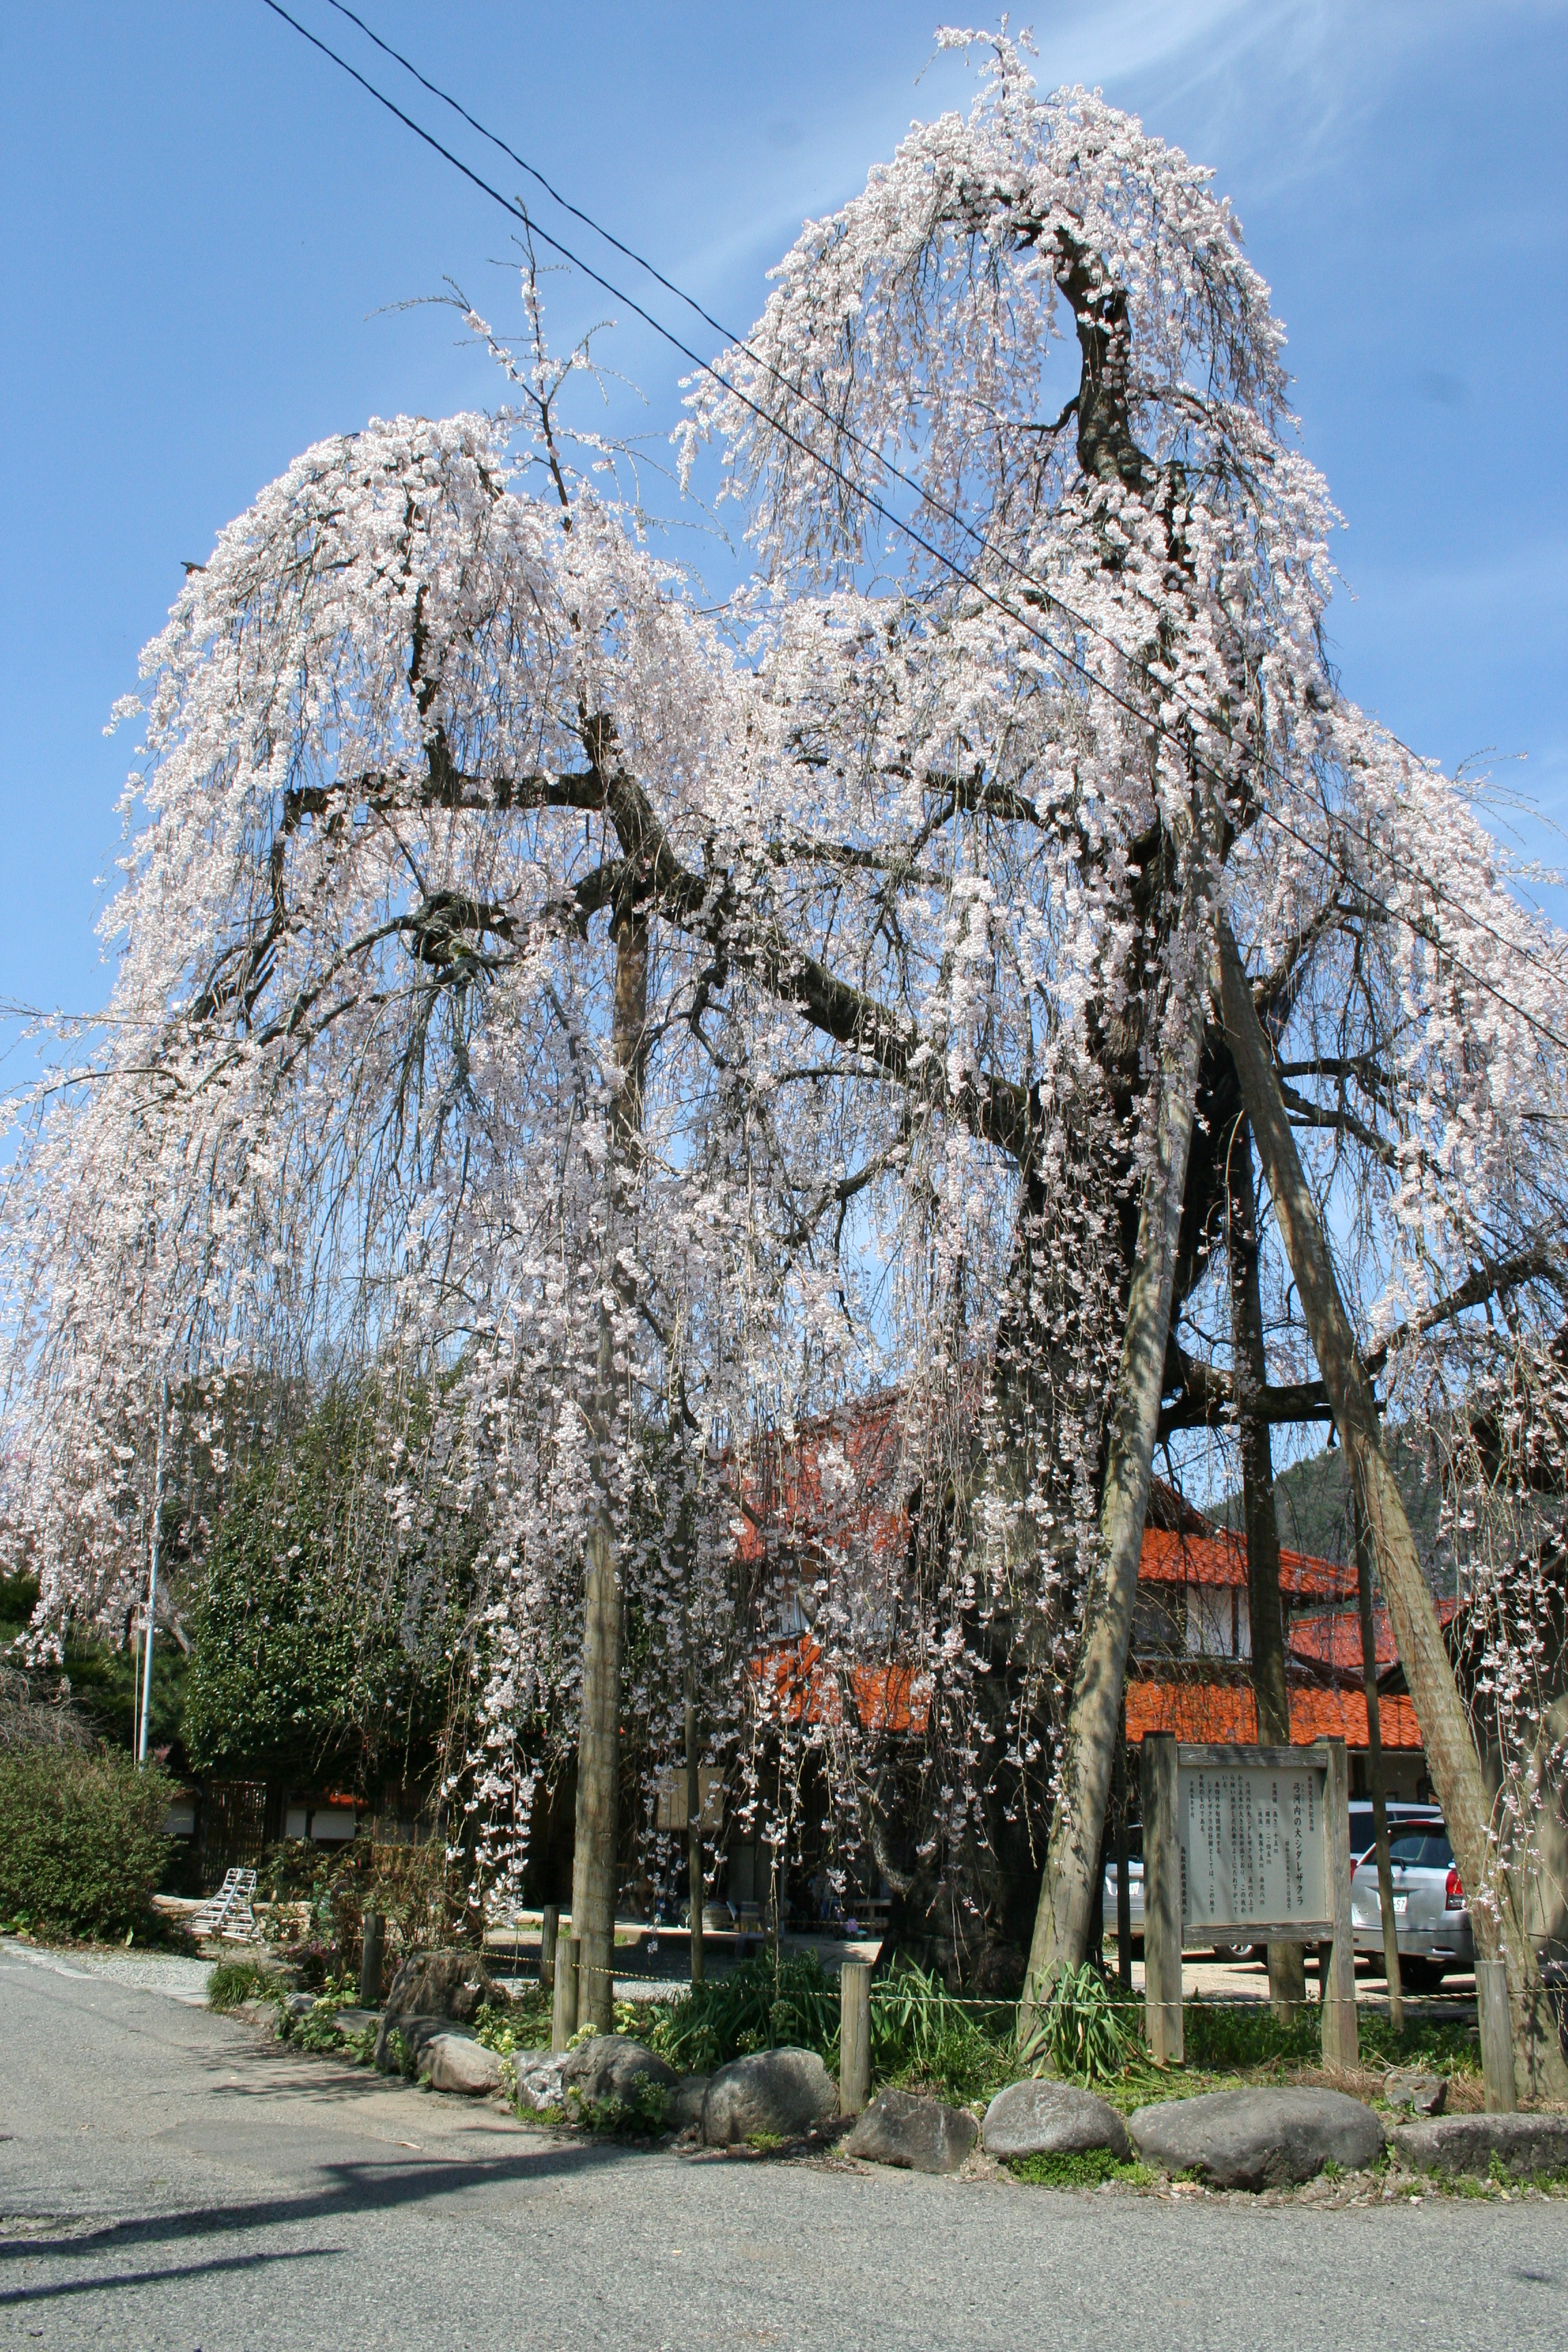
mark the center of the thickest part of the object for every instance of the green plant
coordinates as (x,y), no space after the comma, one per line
(233,1981)
(524,2025)
(640,2113)
(318,2029)
(401,2053)
(1080,2030)
(1084,2169)
(81,1843)
(761,2005)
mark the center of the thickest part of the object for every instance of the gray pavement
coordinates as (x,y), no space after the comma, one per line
(168,2181)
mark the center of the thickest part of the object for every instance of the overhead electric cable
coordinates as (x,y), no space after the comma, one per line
(879,457)
(876,506)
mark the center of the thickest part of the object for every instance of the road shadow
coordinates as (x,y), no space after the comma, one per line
(344,2190)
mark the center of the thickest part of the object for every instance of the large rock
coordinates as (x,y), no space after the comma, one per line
(454,1984)
(455,2062)
(539,2084)
(922,2135)
(1453,2144)
(782,2093)
(1257,2140)
(1046,2119)
(612,2067)
(416,2034)
(685,2113)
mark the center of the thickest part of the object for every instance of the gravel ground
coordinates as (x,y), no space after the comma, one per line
(180,1975)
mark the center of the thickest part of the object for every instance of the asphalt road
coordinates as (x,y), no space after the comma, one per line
(167,2180)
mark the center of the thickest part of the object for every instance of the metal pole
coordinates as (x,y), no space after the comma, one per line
(152,1574)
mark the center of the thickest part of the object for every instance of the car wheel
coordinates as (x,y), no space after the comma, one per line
(1231,1953)
(1421,1975)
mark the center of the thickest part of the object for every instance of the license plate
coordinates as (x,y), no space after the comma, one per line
(1401,1905)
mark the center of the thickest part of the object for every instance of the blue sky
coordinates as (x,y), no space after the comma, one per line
(206,228)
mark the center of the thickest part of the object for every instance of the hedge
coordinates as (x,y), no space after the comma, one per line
(81,1843)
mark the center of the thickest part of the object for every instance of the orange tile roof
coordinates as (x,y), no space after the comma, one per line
(1220,1560)
(1332,1638)
(1227,1712)
(794,1686)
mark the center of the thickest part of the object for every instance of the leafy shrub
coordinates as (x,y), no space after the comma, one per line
(922,2033)
(760,2005)
(642,2111)
(318,2029)
(524,2025)
(1082,2029)
(919,2032)
(81,1843)
(233,1981)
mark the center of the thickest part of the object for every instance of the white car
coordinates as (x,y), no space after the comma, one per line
(1431,1914)
(1134,1889)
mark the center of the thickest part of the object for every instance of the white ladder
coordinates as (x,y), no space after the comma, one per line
(228,1912)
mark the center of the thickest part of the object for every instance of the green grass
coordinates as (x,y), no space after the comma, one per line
(233,1981)
(1220,2040)
(1086,2169)
(1081,2031)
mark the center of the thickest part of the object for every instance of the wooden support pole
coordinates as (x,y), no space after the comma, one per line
(1123,1882)
(1497,2035)
(1342,2042)
(372,1949)
(548,1936)
(1496,1911)
(1161,1902)
(564,2006)
(1374,1772)
(694,1870)
(854,2036)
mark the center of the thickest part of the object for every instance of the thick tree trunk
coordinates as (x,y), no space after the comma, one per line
(1450,1748)
(1071,1896)
(1286,1962)
(1374,1770)
(595,1853)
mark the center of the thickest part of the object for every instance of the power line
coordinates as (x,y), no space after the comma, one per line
(949,514)
(876,506)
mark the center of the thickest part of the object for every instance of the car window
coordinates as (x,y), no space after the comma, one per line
(1422,1850)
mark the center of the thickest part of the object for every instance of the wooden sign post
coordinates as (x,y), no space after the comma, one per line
(1246,1845)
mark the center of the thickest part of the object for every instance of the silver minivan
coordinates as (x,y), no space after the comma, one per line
(1431,1914)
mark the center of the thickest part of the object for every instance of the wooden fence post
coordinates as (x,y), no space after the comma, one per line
(1342,2039)
(370,1961)
(563,2007)
(549,1935)
(1497,2035)
(1161,1902)
(854,2036)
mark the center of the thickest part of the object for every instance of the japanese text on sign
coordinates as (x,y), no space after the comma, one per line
(1254,1848)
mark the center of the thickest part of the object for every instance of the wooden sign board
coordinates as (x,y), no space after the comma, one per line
(1255,1847)
(670,1802)
(1245,1844)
